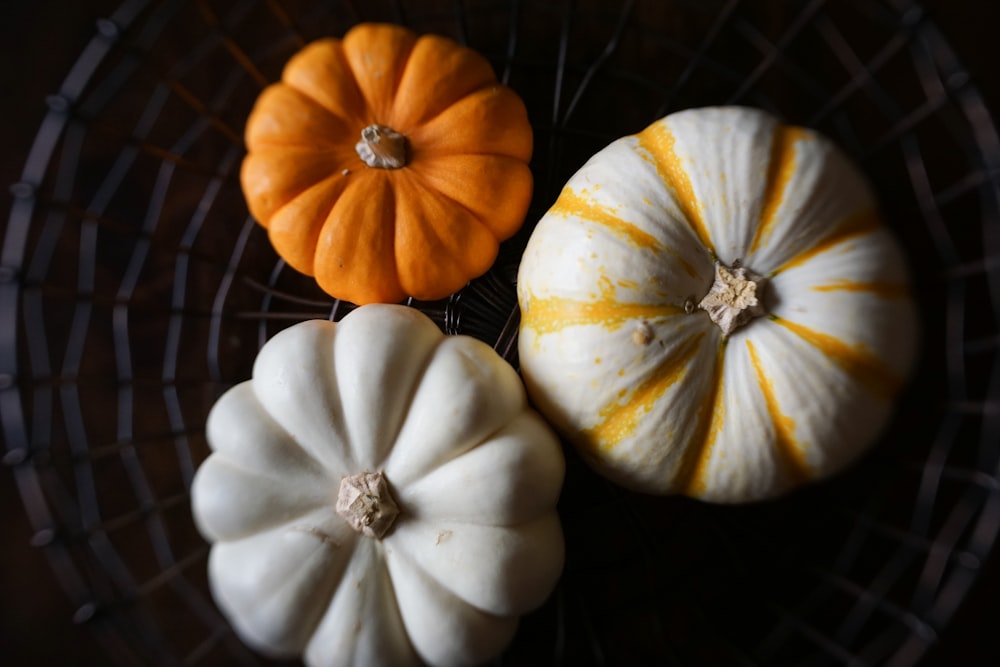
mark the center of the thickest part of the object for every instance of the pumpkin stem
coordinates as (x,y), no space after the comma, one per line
(364,501)
(382,147)
(736,297)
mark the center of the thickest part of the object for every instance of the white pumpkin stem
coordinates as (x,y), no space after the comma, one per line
(382,147)
(736,297)
(364,501)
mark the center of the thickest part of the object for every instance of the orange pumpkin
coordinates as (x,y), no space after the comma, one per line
(388,164)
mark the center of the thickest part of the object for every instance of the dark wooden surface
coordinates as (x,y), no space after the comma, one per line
(41,39)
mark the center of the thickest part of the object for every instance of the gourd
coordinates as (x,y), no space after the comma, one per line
(712,307)
(388,165)
(379,493)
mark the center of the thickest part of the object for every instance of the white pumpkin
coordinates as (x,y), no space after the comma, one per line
(379,494)
(712,307)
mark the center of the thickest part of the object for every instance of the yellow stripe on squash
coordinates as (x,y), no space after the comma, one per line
(658,143)
(855,360)
(861,223)
(552,314)
(780,198)
(619,420)
(691,477)
(883,290)
(572,203)
(788,449)
(779,174)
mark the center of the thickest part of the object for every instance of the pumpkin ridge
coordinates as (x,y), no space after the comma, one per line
(411,459)
(658,145)
(424,170)
(522,456)
(319,336)
(294,525)
(275,100)
(326,358)
(412,515)
(856,361)
(311,231)
(403,368)
(405,556)
(490,121)
(862,223)
(325,592)
(464,66)
(620,420)
(485,88)
(404,559)
(517,539)
(690,475)
(788,450)
(243,398)
(781,167)
(378,88)
(418,175)
(407,409)
(264,202)
(227,475)
(376,589)
(466,245)
(366,267)
(304,67)
(278,475)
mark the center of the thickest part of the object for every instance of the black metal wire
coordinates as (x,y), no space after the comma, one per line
(135,288)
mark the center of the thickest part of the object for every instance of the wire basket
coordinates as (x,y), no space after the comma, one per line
(135,289)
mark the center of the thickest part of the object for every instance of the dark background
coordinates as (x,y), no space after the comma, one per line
(41,40)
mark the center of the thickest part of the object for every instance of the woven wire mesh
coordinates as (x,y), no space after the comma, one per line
(135,289)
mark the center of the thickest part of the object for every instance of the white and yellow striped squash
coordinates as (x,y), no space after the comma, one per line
(622,344)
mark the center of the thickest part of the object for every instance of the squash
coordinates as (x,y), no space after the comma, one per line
(712,307)
(388,165)
(379,493)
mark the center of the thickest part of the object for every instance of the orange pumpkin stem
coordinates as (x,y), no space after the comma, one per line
(736,297)
(382,147)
